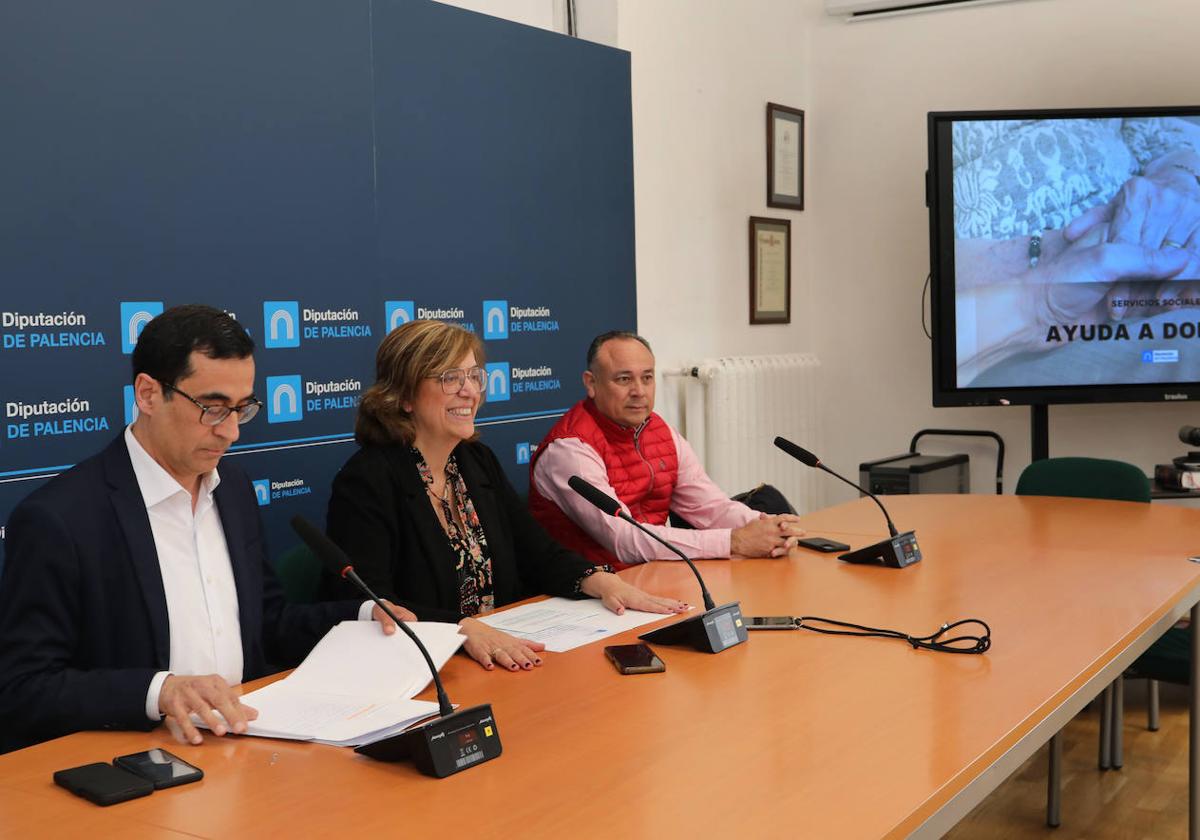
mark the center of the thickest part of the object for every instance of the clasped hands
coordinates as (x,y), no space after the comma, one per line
(767,536)
(1148,232)
(217,703)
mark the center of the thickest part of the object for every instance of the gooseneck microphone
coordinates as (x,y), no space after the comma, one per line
(810,460)
(441,747)
(715,629)
(899,551)
(612,507)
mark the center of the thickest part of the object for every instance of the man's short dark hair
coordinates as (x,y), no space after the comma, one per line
(602,339)
(167,341)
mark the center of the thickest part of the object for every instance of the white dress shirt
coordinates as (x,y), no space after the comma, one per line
(202,608)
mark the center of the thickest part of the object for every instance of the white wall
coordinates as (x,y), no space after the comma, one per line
(861,245)
(872,85)
(702,73)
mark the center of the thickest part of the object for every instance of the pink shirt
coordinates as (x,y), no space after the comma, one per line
(696,498)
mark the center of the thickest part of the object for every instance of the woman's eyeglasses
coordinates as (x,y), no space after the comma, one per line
(454,379)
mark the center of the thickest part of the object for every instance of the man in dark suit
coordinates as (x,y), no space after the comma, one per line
(136,584)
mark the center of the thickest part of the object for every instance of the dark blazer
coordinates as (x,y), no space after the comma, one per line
(380,514)
(83,613)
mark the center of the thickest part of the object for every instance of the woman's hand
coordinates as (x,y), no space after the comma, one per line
(1079,284)
(619,596)
(491,647)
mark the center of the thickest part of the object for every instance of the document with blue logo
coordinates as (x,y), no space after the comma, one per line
(562,624)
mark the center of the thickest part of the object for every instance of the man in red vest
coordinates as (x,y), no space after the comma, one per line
(614,440)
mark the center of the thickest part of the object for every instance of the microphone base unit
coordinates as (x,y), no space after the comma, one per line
(443,746)
(895,553)
(710,632)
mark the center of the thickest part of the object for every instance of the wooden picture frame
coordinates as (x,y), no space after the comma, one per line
(785,157)
(770,270)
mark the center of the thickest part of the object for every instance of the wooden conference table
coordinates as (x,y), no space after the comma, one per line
(792,734)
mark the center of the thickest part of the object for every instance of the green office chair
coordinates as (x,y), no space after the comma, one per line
(1086,478)
(1170,660)
(299,571)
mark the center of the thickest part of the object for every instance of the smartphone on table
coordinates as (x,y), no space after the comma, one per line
(161,768)
(102,783)
(771,622)
(822,544)
(634,659)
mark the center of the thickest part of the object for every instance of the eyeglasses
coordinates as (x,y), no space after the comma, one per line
(214,415)
(454,379)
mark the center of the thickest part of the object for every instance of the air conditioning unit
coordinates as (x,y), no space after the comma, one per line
(870,9)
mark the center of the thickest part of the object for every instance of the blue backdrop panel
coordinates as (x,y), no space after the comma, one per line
(325,172)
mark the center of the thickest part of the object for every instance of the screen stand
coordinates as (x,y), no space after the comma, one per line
(1039,431)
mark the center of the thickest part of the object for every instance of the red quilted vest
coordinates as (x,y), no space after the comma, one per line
(642,468)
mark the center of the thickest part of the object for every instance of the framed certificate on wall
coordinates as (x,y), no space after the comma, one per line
(770,271)
(785,157)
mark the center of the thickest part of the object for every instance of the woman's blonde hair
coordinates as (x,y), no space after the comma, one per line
(406,357)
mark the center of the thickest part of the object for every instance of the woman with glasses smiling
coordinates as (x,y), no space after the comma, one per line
(427,515)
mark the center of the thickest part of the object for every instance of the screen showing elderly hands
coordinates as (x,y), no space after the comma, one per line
(1077,251)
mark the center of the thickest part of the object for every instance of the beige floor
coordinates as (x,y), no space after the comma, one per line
(1146,799)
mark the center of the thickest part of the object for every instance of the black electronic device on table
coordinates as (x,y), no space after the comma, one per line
(822,544)
(162,768)
(454,740)
(772,622)
(713,630)
(103,784)
(634,659)
(442,746)
(898,551)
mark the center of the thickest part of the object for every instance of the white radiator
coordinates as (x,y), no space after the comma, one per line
(731,410)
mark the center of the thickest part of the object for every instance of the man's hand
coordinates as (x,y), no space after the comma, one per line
(767,536)
(389,626)
(181,697)
(619,596)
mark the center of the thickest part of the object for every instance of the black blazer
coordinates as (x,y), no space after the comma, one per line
(83,613)
(380,514)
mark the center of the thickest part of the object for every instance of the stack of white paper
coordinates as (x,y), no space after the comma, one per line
(355,686)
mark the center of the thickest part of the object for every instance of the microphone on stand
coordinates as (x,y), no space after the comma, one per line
(441,747)
(899,551)
(713,630)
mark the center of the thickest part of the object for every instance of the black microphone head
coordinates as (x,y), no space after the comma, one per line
(799,453)
(331,557)
(597,497)
(1190,435)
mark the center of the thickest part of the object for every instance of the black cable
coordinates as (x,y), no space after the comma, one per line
(934,641)
(924,288)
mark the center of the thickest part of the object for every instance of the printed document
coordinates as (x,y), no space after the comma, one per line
(355,686)
(562,624)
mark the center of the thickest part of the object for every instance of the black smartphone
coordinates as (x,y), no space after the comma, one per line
(770,622)
(634,659)
(102,783)
(162,768)
(822,544)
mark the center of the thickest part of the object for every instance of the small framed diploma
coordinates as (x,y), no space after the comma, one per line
(785,157)
(770,271)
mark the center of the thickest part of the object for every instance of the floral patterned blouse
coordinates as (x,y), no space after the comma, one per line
(473,563)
